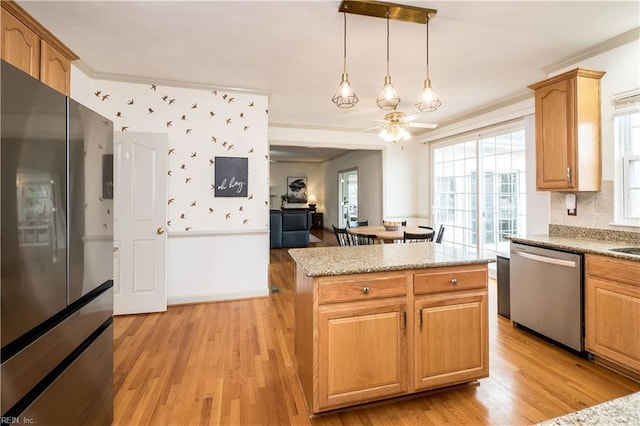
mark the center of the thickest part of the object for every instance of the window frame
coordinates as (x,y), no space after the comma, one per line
(477,137)
(625,104)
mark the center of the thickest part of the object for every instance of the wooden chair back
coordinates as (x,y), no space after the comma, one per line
(362,239)
(440,235)
(343,237)
(414,238)
(355,224)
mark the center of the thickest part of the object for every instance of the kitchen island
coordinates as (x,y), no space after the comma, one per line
(385,320)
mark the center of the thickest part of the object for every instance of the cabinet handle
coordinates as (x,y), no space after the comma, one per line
(404,321)
(366,290)
(454,281)
(420,320)
(568,174)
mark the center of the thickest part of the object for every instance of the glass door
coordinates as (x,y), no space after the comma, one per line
(348,197)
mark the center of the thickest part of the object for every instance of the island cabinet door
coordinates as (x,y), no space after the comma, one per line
(362,352)
(451,339)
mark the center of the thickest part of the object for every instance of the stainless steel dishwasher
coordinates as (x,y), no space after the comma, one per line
(547,293)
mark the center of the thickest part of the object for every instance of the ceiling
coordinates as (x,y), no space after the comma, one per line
(480,53)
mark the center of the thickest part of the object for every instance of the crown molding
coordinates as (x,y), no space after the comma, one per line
(592,51)
(91,73)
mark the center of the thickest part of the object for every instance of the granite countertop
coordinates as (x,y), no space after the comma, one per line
(620,411)
(322,261)
(580,244)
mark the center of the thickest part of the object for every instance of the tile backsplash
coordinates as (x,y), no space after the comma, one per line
(594,209)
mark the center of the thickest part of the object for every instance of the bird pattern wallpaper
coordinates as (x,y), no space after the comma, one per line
(201,125)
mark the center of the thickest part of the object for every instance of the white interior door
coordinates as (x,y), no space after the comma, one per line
(140,215)
(348,196)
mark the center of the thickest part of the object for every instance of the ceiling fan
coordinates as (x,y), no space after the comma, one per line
(394,123)
(400,118)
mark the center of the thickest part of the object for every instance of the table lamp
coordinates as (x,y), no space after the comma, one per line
(312,202)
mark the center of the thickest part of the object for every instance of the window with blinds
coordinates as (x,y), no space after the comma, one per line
(627,140)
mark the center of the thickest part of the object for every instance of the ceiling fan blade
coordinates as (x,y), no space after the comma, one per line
(411,117)
(423,125)
(370,128)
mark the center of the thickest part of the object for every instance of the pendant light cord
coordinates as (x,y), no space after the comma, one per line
(387,42)
(345,43)
(427,47)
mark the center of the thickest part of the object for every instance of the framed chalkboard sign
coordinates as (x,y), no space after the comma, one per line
(231,175)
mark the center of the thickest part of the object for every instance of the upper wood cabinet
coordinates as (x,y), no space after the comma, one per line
(568,140)
(30,47)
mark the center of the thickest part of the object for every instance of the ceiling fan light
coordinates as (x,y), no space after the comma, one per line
(403,134)
(428,101)
(394,132)
(388,98)
(345,96)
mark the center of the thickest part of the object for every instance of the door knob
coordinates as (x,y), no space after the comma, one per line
(160,231)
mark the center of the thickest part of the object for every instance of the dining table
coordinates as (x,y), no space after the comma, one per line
(382,234)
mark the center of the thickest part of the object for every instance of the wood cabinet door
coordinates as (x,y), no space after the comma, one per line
(362,353)
(612,321)
(451,339)
(55,69)
(20,45)
(555,136)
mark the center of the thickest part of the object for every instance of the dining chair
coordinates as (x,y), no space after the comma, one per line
(343,237)
(355,223)
(414,238)
(363,239)
(425,227)
(440,234)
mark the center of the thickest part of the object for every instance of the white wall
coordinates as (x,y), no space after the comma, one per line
(278,174)
(596,210)
(211,240)
(370,187)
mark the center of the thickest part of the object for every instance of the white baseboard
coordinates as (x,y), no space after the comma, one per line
(206,298)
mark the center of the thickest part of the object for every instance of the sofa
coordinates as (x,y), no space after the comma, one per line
(289,228)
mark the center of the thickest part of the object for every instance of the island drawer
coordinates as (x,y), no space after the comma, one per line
(613,269)
(361,287)
(450,278)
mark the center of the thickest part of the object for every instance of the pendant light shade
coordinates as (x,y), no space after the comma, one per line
(428,100)
(345,97)
(388,98)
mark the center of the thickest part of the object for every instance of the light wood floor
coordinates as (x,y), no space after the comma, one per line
(233,363)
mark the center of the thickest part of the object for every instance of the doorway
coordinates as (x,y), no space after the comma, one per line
(347,196)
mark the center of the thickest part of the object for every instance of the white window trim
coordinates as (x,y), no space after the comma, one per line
(623,103)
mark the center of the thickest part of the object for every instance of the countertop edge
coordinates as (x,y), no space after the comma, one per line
(405,267)
(577,245)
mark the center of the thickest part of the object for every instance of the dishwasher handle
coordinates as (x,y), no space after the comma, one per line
(545,259)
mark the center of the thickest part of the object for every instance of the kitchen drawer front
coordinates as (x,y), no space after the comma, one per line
(361,287)
(613,269)
(450,278)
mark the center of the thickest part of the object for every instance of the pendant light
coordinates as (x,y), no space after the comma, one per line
(428,101)
(345,97)
(388,98)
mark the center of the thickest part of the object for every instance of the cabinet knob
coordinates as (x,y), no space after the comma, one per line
(454,281)
(366,290)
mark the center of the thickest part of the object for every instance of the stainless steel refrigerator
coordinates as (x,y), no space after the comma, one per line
(56,257)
